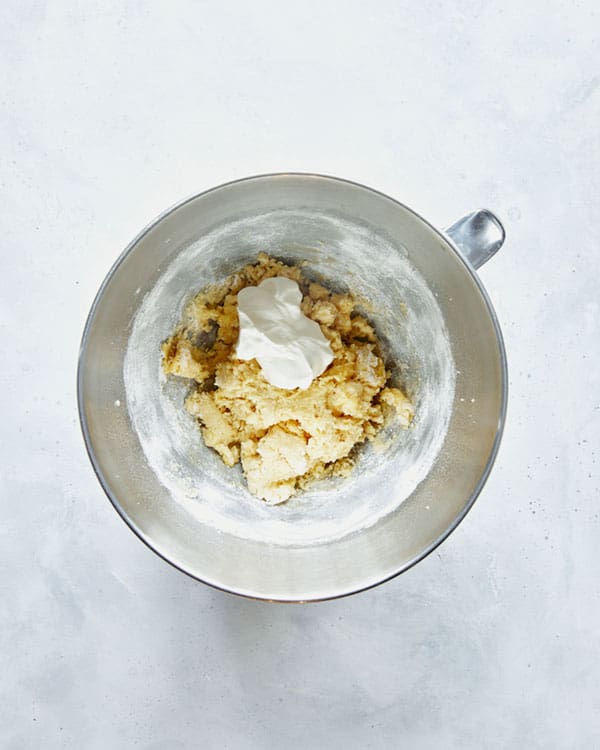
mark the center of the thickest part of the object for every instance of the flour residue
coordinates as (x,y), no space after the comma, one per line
(342,254)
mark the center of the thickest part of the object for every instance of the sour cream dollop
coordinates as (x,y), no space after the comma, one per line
(290,348)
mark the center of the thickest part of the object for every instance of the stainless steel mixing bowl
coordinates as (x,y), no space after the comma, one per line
(439,333)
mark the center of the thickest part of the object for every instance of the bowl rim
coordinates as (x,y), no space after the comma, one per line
(503,396)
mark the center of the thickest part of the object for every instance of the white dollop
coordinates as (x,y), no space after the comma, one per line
(290,348)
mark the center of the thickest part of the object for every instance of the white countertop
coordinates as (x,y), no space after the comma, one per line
(109,115)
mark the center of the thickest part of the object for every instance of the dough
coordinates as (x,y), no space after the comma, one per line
(284,439)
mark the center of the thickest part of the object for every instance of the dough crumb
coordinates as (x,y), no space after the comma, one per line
(285,439)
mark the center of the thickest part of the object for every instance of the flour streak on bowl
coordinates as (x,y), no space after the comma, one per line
(348,256)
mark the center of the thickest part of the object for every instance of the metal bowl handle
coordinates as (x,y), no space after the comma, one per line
(478,235)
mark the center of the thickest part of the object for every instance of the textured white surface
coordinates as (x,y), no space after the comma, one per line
(111,114)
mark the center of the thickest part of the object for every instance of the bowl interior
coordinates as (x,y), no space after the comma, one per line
(343,254)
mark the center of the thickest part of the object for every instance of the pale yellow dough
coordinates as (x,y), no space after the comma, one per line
(284,439)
